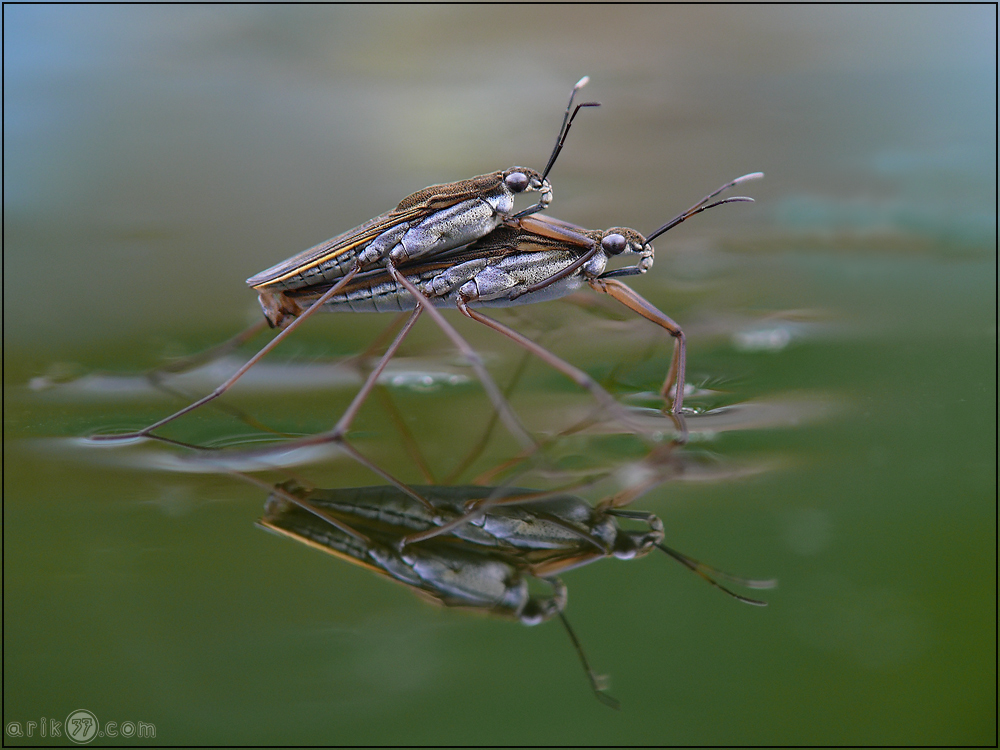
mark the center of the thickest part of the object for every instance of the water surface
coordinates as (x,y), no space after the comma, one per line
(842,343)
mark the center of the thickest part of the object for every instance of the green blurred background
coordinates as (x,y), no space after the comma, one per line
(156,156)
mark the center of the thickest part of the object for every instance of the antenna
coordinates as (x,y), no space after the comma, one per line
(700,206)
(568,122)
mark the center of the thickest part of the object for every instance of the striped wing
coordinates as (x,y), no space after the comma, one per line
(413,208)
(342,246)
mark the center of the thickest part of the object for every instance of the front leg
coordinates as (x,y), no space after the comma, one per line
(635,302)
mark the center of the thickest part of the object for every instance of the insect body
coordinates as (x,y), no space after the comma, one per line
(424,224)
(531,259)
(488,273)
(492,272)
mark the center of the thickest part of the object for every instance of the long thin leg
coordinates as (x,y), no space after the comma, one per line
(315,307)
(344,423)
(380,340)
(241,415)
(397,483)
(472,357)
(488,476)
(336,435)
(407,436)
(156,376)
(575,374)
(635,302)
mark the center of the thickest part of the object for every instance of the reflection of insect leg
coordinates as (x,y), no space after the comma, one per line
(343,424)
(350,451)
(336,435)
(338,432)
(183,364)
(477,450)
(652,471)
(635,302)
(362,362)
(595,680)
(290,497)
(156,376)
(410,444)
(662,463)
(532,615)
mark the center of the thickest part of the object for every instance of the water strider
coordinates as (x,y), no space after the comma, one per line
(532,259)
(420,266)
(433,220)
(429,222)
(484,563)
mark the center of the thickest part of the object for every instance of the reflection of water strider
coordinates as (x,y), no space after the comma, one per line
(482,563)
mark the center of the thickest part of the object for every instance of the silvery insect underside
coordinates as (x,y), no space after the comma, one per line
(496,271)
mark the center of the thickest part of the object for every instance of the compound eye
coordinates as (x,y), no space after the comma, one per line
(516,181)
(613,244)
